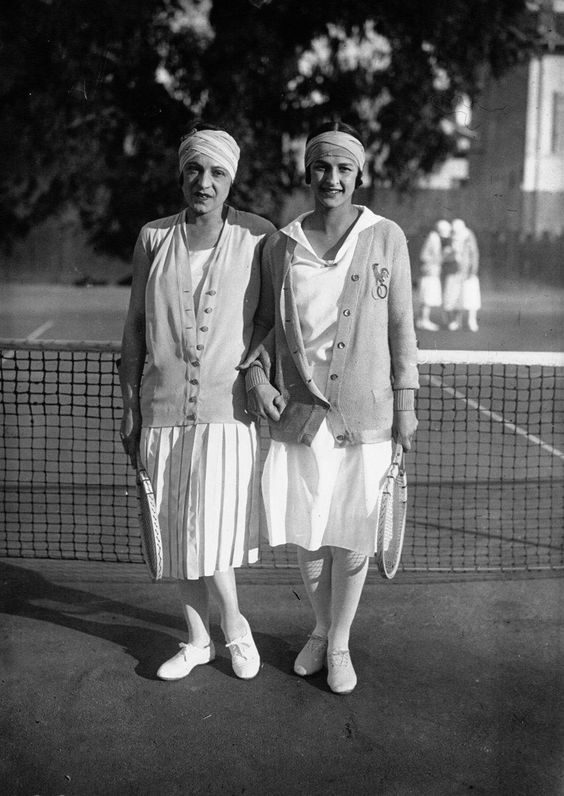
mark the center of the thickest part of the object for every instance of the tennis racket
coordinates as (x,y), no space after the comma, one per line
(151,540)
(391,516)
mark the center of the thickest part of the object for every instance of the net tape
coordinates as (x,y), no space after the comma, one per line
(485,478)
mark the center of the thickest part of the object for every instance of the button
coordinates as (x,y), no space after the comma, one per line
(211,292)
(340,345)
(355,277)
(195,363)
(194,381)
(199,347)
(340,438)
(333,376)
(203,328)
(208,309)
(346,313)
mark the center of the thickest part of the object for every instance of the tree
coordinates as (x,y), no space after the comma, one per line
(96,94)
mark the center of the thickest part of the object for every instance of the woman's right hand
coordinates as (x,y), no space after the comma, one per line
(265,401)
(130,434)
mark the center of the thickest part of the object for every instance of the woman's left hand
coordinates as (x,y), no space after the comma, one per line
(404,427)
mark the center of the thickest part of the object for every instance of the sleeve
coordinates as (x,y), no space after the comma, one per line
(265,314)
(401,332)
(429,255)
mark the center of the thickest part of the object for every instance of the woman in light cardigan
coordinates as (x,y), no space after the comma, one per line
(336,317)
(196,281)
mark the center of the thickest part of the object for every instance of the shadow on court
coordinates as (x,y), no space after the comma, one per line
(460,689)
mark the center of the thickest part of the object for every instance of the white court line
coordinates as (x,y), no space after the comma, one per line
(497,417)
(31,336)
(39,331)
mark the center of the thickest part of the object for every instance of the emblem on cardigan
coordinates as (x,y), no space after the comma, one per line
(381,276)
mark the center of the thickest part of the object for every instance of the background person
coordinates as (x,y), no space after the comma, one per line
(470,299)
(436,248)
(461,296)
(196,282)
(337,290)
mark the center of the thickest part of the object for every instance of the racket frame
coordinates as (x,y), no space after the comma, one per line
(395,478)
(151,539)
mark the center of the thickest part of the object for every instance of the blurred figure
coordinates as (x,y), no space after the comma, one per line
(461,294)
(436,250)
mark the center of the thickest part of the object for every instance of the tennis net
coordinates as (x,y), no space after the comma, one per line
(485,477)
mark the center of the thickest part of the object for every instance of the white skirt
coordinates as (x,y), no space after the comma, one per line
(430,293)
(206,483)
(452,292)
(470,296)
(323,494)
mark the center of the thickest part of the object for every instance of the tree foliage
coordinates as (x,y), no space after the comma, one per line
(95,94)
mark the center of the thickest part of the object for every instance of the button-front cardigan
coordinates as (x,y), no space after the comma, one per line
(190,375)
(375,352)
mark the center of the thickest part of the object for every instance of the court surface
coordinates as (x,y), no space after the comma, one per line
(528,318)
(460,690)
(460,678)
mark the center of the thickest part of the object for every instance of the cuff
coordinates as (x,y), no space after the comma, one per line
(254,376)
(404,400)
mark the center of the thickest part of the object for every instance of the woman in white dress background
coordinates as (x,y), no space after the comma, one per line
(337,321)
(461,295)
(436,248)
(196,282)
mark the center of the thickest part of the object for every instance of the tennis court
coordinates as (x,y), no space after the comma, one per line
(459,658)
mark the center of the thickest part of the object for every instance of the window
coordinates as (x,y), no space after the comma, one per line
(557,139)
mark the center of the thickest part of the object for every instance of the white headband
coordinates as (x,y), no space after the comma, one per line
(325,144)
(216,144)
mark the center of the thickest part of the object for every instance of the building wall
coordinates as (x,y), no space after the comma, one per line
(543,177)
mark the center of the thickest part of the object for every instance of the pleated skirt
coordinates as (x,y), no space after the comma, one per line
(430,292)
(207,491)
(324,494)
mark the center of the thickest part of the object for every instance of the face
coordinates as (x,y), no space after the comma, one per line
(205,184)
(333,180)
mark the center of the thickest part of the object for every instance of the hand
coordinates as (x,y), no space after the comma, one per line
(130,434)
(265,401)
(259,353)
(404,427)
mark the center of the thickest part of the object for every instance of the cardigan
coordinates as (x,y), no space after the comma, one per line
(191,375)
(375,350)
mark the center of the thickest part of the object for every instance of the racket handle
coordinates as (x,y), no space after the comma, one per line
(398,453)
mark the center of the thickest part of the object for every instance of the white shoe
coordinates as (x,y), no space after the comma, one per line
(473,326)
(428,325)
(341,678)
(311,659)
(245,657)
(454,326)
(181,664)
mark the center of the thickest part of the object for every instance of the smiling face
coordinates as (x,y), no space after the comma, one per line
(205,184)
(333,180)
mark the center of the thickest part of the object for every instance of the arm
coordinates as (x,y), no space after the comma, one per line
(133,351)
(431,254)
(474,254)
(403,344)
(261,348)
(263,399)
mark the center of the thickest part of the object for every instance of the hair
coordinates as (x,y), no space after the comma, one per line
(337,127)
(196,127)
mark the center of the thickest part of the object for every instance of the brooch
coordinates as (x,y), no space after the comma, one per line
(381,275)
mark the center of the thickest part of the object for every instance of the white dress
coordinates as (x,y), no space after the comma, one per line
(207,485)
(323,494)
